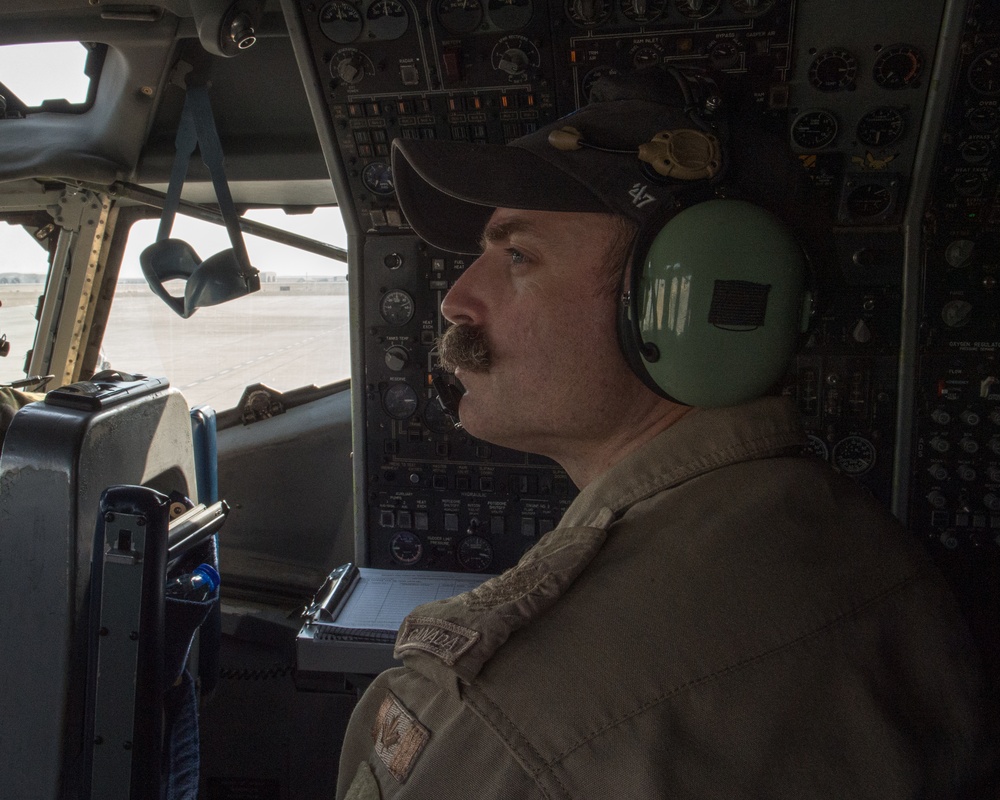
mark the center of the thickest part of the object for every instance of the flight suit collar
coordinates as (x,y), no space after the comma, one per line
(701,441)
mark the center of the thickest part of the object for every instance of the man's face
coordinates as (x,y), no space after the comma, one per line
(553,378)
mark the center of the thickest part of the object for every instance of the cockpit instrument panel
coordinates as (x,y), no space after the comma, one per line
(867,134)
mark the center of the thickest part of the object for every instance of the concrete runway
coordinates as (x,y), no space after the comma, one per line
(283,339)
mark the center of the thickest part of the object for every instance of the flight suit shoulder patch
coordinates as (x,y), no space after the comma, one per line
(462,633)
(398,737)
(446,640)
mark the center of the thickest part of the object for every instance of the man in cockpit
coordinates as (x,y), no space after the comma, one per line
(717,615)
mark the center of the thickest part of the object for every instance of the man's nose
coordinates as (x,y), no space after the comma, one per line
(460,303)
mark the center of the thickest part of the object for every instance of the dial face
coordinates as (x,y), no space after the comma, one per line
(854,455)
(340,21)
(588,13)
(833,70)
(817,447)
(898,66)
(646,55)
(510,15)
(400,401)
(406,548)
(984,73)
(593,76)
(752,8)
(435,417)
(459,16)
(697,9)
(958,252)
(387,19)
(984,119)
(956,313)
(881,127)
(724,54)
(475,553)
(975,151)
(643,11)
(516,56)
(869,200)
(396,307)
(969,184)
(814,129)
(350,66)
(377,176)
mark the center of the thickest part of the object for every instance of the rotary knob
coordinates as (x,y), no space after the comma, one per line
(350,67)
(937,499)
(513,61)
(940,444)
(396,358)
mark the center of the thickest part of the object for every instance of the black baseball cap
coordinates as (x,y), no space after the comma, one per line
(643,140)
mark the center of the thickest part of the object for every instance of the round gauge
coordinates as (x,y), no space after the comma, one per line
(510,15)
(350,66)
(406,548)
(814,129)
(396,307)
(869,200)
(956,313)
(340,21)
(975,151)
(984,72)
(984,119)
(969,184)
(833,70)
(645,55)
(516,56)
(377,176)
(459,16)
(854,455)
(387,19)
(897,66)
(752,8)
(881,127)
(958,252)
(697,9)
(588,13)
(724,54)
(400,401)
(593,76)
(435,417)
(475,553)
(817,447)
(643,11)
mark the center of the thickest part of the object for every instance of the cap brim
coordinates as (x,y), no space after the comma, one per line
(449,190)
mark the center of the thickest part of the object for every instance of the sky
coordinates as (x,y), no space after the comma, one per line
(55,71)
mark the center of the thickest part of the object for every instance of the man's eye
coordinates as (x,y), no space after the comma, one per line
(516,256)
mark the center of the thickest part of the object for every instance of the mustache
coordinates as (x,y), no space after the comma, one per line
(464,347)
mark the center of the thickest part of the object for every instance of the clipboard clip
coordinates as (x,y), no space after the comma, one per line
(335,589)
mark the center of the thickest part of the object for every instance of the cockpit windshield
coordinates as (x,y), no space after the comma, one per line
(47,76)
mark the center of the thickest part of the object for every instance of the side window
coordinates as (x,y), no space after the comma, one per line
(292,333)
(22,281)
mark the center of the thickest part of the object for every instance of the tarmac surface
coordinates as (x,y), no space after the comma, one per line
(284,339)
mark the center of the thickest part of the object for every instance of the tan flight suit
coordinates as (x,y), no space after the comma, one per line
(715,617)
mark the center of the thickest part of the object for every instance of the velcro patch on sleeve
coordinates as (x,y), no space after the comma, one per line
(445,640)
(399,737)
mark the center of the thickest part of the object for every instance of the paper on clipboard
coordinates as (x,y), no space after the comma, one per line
(382,598)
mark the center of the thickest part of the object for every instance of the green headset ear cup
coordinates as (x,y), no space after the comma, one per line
(719,295)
